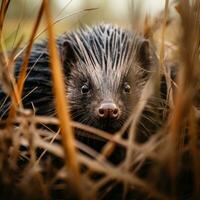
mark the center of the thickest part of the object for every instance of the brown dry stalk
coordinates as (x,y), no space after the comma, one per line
(187,80)
(54,23)
(120,175)
(162,48)
(62,105)
(10,83)
(24,65)
(194,150)
(147,30)
(18,89)
(3,10)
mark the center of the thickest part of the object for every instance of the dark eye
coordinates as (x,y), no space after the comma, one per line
(85,89)
(127,88)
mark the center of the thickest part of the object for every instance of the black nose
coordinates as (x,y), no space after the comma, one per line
(108,110)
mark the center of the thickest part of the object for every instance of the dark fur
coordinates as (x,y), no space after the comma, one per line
(104,57)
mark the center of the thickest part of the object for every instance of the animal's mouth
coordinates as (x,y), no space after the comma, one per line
(109,125)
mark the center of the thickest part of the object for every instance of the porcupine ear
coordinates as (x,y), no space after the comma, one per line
(67,57)
(144,52)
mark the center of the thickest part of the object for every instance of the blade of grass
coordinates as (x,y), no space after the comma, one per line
(188,77)
(3,10)
(162,48)
(194,150)
(54,23)
(62,105)
(22,75)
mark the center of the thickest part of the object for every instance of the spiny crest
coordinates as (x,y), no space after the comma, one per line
(104,50)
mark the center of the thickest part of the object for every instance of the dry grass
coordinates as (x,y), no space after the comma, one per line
(37,163)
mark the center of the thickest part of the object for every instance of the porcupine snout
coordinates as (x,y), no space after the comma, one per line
(108,110)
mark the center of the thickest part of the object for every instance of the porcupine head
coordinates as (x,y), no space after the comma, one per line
(106,68)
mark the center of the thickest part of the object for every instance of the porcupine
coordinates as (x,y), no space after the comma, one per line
(106,68)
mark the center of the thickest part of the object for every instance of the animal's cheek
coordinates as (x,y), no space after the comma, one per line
(121,100)
(70,95)
(126,105)
(93,107)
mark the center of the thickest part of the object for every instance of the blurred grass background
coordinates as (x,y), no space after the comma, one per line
(72,13)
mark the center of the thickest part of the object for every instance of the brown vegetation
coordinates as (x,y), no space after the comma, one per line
(172,151)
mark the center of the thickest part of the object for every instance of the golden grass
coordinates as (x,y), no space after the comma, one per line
(62,105)
(25,175)
(18,89)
